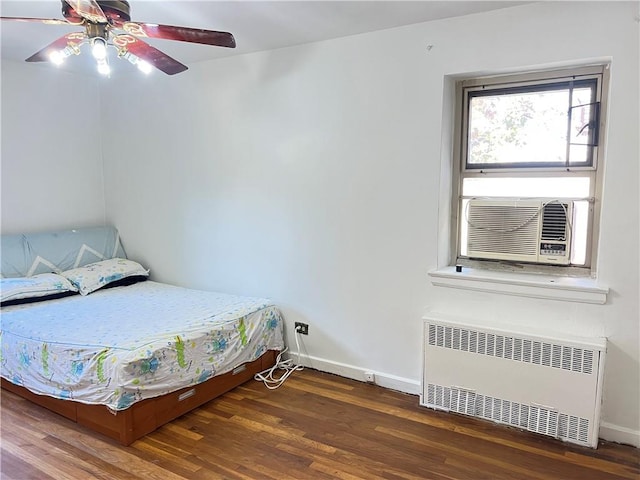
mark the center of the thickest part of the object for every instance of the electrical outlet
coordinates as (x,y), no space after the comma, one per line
(302,328)
(369,377)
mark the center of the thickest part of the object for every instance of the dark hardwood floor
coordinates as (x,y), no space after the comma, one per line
(315,426)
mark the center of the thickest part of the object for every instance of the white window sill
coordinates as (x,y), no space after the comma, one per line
(568,289)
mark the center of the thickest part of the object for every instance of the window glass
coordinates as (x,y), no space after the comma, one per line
(544,125)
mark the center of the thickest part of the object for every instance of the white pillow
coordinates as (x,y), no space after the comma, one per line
(39,285)
(96,275)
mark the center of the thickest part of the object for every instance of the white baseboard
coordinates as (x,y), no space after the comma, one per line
(386,380)
(618,434)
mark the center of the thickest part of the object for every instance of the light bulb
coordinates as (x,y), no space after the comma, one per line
(99,48)
(144,67)
(56,57)
(103,68)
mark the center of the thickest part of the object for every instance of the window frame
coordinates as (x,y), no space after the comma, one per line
(460,170)
(470,93)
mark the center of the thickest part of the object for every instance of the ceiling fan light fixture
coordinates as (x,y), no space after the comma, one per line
(99,48)
(102,20)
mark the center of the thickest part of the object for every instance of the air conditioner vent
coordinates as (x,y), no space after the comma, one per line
(554,222)
(503,229)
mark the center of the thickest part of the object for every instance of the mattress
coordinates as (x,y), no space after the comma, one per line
(122,345)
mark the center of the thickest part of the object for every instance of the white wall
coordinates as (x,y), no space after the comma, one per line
(311,175)
(51,171)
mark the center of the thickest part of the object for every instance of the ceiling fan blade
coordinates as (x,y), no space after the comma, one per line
(181,34)
(48,21)
(70,40)
(88,9)
(150,54)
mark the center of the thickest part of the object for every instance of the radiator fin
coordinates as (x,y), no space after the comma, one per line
(543,420)
(534,418)
(462,401)
(513,348)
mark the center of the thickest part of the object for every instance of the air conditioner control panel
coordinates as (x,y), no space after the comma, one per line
(553,249)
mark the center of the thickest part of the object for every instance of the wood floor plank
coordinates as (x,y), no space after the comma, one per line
(17,468)
(316,426)
(104,449)
(47,463)
(335,463)
(98,467)
(163,456)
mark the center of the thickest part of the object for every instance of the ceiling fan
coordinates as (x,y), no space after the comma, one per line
(108,23)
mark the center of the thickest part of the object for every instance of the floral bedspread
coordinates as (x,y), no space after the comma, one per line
(121,345)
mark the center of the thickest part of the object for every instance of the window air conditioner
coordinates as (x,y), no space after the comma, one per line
(537,231)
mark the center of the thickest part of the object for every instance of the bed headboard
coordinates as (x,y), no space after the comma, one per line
(29,254)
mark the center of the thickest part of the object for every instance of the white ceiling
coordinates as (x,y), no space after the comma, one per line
(256,25)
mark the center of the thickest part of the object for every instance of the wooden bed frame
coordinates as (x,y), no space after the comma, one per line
(126,426)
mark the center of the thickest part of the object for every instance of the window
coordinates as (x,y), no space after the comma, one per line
(527,186)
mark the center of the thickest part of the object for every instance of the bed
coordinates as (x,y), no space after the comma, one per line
(87,335)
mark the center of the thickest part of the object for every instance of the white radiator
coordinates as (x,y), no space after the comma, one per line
(545,385)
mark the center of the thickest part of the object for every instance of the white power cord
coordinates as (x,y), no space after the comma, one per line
(269,378)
